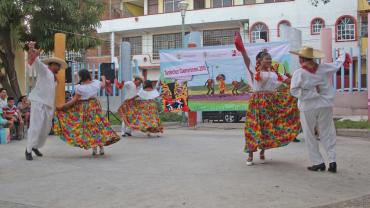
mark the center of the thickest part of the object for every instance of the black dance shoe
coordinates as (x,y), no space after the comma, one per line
(320,167)
(37,152)
(28,155)
(332,167)
(126,134)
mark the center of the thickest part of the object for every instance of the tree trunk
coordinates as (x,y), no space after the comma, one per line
(7,57)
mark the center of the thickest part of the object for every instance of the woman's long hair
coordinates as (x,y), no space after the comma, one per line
(275,67)
(84,75)
(148,84)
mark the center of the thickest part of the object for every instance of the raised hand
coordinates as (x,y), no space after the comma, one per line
(32,52)
(239,42)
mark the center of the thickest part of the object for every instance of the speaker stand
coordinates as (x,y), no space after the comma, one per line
(110,112)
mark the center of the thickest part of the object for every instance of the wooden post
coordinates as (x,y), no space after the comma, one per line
(59,51)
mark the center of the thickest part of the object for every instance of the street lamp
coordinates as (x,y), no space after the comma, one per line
(183,6)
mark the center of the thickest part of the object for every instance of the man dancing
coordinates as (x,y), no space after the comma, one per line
(128,109)
(42,99)
(310,84)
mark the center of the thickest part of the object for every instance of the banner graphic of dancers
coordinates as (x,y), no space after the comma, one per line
(212,78)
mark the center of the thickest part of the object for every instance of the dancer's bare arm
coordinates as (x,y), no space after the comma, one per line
(33,59)
(247,62)
(103,82)
(70,103)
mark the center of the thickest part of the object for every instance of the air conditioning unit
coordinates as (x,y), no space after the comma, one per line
(145,60)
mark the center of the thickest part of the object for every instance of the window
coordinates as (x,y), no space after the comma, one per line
(259,31)
(317,25)
(345,29)
(136,44)
(165,41)
(219,37)
(171,6)
(199,4)
(221,3)
(152,6)
(249,1)
(283,22)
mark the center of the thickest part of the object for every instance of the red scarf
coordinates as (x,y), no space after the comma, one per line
(312,69)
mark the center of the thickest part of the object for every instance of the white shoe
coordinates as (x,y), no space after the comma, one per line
(249,163)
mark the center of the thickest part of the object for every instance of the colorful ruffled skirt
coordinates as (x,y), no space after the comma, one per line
(84,125)
(272,120)
(141,115)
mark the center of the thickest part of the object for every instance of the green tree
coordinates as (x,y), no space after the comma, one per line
(39,20)
(316,2)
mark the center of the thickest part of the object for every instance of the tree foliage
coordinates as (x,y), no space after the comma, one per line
(39,20)
(317,2)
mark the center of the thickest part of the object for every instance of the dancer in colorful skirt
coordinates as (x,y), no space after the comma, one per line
(145,116)
(311,85)
(272,118)
(81,122)
(129,107)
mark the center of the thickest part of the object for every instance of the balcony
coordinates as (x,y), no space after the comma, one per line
(233,16)
(363,5)
(124,9)
(135,8)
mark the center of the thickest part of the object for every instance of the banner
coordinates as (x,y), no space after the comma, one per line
(186,70)
(216,78)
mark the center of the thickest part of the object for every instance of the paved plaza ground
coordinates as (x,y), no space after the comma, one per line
(203,168)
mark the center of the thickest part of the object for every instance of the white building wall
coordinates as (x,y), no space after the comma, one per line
(299,13)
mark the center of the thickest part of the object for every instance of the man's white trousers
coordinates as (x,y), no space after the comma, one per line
(40,125)
(323,118)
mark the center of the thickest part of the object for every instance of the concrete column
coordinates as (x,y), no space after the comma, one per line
(112,47)
(145,7)
(294,37)
(326,44)
(59,51)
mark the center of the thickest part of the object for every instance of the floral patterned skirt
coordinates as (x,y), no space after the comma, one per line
(84,125)
(141,115)
(272,120)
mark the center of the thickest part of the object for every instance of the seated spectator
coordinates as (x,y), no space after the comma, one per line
(3,98)
(12,113)
(4,123)
(24,107)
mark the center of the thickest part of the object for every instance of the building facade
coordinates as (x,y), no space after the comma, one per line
(152,25)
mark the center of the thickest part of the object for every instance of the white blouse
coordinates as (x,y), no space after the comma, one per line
(130,90)
(269,82)
(88,91)
(148,95)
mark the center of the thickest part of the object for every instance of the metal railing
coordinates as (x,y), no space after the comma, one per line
(352,78)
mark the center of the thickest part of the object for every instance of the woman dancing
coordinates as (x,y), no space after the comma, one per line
(81,122)
(272,118)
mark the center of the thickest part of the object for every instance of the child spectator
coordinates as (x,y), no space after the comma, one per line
(12,113)
(24,107)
